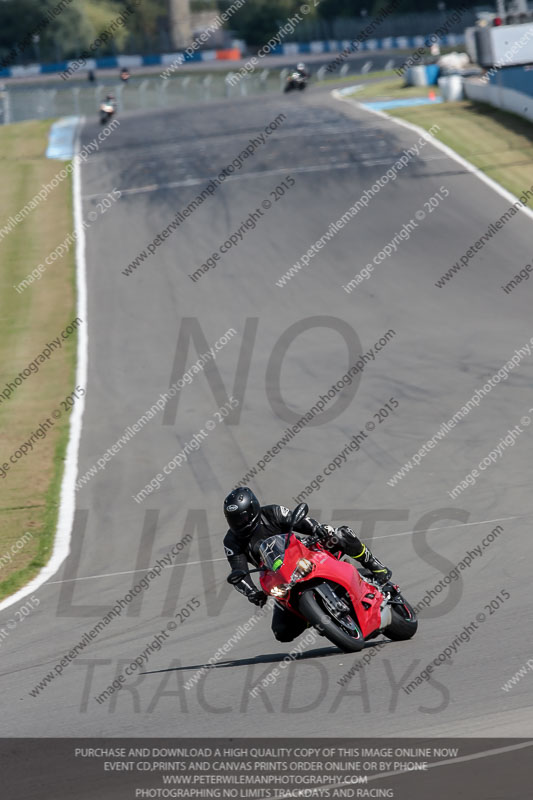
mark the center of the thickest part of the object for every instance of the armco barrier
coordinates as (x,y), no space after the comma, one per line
(510,88)
(288,48)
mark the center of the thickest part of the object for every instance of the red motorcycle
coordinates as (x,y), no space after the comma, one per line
(328,591)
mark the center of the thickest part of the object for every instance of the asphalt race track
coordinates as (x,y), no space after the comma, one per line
(290,344)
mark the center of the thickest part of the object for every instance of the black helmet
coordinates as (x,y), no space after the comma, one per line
(242,511)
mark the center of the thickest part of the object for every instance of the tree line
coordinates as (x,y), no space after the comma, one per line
(34,30)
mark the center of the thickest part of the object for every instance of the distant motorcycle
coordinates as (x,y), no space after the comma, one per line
(328,591)
(295,81)
(107,109)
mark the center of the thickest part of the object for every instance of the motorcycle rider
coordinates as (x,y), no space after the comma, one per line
(108,103)
(302,71)
(250,524)
(107,108)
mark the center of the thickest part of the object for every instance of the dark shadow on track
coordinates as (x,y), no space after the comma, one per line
(268,658)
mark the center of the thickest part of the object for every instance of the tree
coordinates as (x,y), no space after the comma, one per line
(72,31)
(258,20)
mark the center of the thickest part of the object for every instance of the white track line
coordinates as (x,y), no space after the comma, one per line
(447,527)
(67,501)
(247,176)
(267,173)
(212,560)
(440,146)
(135,571)
(446,762)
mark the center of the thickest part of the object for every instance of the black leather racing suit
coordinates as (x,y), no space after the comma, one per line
(241,551)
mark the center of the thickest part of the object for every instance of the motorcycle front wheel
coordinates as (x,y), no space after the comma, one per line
(403,624)
(310,608)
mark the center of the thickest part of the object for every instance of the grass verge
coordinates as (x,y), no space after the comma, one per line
(391,89)
(29,320)
(361,78)
(498,143)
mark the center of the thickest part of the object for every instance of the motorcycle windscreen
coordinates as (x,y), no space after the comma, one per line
(272,552)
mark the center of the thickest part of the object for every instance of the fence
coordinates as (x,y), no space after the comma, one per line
(18,103)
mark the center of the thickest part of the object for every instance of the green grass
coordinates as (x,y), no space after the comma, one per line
(29,493)
(383,73)
(498,143)
(392,89)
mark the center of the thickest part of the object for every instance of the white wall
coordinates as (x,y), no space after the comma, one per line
(507,99)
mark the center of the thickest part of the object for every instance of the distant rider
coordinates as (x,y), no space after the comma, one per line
(250,524)
(302,71)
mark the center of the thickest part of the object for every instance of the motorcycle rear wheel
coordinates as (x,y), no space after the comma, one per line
(320,619)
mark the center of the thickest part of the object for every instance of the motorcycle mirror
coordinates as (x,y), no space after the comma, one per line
(299,513)
(236,576)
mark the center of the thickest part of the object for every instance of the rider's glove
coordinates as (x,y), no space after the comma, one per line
(326,533)
(258,598)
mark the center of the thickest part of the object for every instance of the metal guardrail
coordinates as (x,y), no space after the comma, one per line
(18,103)
(30,102)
